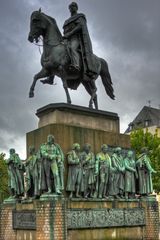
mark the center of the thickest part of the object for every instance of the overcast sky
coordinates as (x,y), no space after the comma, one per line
(125,33)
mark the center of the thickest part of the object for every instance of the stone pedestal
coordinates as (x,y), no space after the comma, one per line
(70,124)
(73,115)
(49,219)
(6,229)
(120,220)
(63,219)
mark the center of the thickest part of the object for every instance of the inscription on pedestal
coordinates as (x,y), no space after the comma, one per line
(25,219)
(102,218)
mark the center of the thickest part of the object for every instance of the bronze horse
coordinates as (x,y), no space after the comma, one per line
(55,60)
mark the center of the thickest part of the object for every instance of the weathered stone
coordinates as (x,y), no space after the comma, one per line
(102,218)
(79,116)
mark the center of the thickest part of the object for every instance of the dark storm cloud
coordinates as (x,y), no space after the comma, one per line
(130,25)
(125,33)
(131,36)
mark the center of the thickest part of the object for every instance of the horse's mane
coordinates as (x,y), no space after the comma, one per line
(53,21)
(50,18)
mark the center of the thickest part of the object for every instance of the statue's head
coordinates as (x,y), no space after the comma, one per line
(87,147)
(104,148)
(118,150)
(144,150)
(130,154)
(50,139)
(12,151)
(31,150)
(73,7)
(76,146)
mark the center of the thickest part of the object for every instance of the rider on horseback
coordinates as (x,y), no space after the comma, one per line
(76,32)
(56,62)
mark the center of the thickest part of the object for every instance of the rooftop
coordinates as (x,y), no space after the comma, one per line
(147,117)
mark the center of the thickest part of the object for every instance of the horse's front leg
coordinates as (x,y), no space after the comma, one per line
(65,86)
(43,73)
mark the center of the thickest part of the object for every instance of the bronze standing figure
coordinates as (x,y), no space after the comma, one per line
(130,175)
(104,168)
(88,166)
(51,155)
(74,171)
(32,174)
(15,174)
(145,170)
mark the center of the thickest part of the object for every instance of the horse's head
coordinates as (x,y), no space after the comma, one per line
(37,25)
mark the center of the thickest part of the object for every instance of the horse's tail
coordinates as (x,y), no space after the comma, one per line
(106,79)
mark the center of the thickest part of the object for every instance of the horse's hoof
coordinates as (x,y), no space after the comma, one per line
(31,95)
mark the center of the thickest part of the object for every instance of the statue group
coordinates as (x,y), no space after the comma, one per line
(103,175)
(110,176)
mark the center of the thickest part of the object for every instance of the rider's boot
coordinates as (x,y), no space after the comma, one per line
(48,80)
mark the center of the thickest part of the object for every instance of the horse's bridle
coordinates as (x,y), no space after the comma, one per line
(46,42)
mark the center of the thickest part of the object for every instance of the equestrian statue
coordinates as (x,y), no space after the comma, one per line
(69,57)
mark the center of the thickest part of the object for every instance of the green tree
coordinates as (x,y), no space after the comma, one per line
(140,139)
(4,193)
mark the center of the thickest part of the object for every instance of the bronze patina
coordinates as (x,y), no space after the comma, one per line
(109,174)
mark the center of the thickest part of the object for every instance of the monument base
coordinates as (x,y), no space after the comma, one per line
(64,219)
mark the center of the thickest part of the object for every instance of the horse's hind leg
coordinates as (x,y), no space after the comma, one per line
(43,73)
(91,89)
(66,91)
(95,101)
(93,95)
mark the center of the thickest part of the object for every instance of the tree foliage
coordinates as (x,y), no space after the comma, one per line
(3,178)
(139,139)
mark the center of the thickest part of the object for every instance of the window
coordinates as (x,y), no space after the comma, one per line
(130,127)
(146,123)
